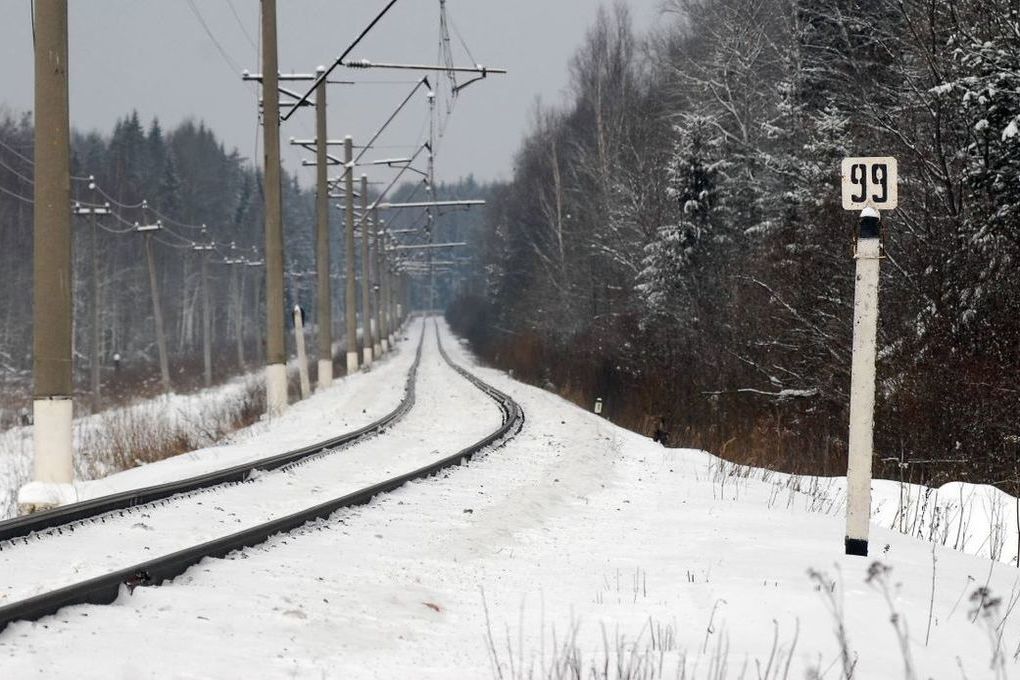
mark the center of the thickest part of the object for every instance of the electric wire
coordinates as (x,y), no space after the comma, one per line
(240,23)
(341,58)
(223,53)
(17,174)
(17,195)
(28,160)
(175,222)
(114,201)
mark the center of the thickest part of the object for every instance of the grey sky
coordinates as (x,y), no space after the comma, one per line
(154,56)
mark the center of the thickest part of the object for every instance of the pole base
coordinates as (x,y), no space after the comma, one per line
(51,435)
(352,362)
(377,350)
(325,373)
(276,389)
(367,356)
(856,546)
(385,345)
(41,496)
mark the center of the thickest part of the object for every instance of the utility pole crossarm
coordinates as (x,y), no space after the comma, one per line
(477,68)
(430,246)
(430,204)
(245,75)
(79,209)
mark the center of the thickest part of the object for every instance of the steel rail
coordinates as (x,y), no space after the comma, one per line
(94,508)
(105,589)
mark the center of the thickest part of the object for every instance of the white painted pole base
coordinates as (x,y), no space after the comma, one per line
(862,397)
(352,362)
(385,345)
(276,389)
(366,357)
(377,350)
(325,373)
(54,457)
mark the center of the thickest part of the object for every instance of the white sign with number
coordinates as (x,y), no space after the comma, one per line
(869,183)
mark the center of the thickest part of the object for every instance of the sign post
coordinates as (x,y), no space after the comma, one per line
(869,185)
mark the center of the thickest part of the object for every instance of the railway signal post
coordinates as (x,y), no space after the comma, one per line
(869,185)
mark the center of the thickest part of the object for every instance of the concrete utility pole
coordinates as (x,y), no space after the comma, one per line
(257,286)
(238,272)
(366,278)
(95,332)
(157,308)
(52,267)
(862,383)
(324,316)
(302,358)
(380,273)
(377,341)
(276,352)
(432,196)
(203,251)
(351,292)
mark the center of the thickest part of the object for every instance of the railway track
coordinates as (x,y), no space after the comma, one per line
(105,588)
(67,516)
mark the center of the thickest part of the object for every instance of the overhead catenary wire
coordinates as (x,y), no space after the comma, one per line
(339,60)
(219,48)
(240,23)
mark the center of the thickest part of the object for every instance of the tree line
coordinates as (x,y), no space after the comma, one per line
(185,179)
(672,238)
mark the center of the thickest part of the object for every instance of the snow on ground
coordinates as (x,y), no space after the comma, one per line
(129,538)
(576,538)
(352,402)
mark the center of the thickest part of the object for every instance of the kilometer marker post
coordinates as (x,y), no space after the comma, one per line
(862,383)
(870,185)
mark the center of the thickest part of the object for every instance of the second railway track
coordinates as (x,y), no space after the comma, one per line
(93,509)
(458,398)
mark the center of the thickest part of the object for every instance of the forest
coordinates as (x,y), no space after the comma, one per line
(201,194)
(672,239)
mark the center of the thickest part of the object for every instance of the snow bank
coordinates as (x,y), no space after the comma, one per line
(578,544)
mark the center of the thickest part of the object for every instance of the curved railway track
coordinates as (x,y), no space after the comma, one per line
(105,589)
(67,516)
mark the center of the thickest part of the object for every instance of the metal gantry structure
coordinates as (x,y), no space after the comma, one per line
(384,270)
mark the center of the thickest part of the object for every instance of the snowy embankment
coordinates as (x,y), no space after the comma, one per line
(576,545)
(350,403)
(205,411)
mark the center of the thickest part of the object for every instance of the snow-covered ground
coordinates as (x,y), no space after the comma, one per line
(352,401)
(575,541)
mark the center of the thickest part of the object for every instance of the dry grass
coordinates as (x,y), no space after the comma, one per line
(135,435)
(123,439)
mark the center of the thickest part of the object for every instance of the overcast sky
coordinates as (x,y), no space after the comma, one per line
(155,56)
